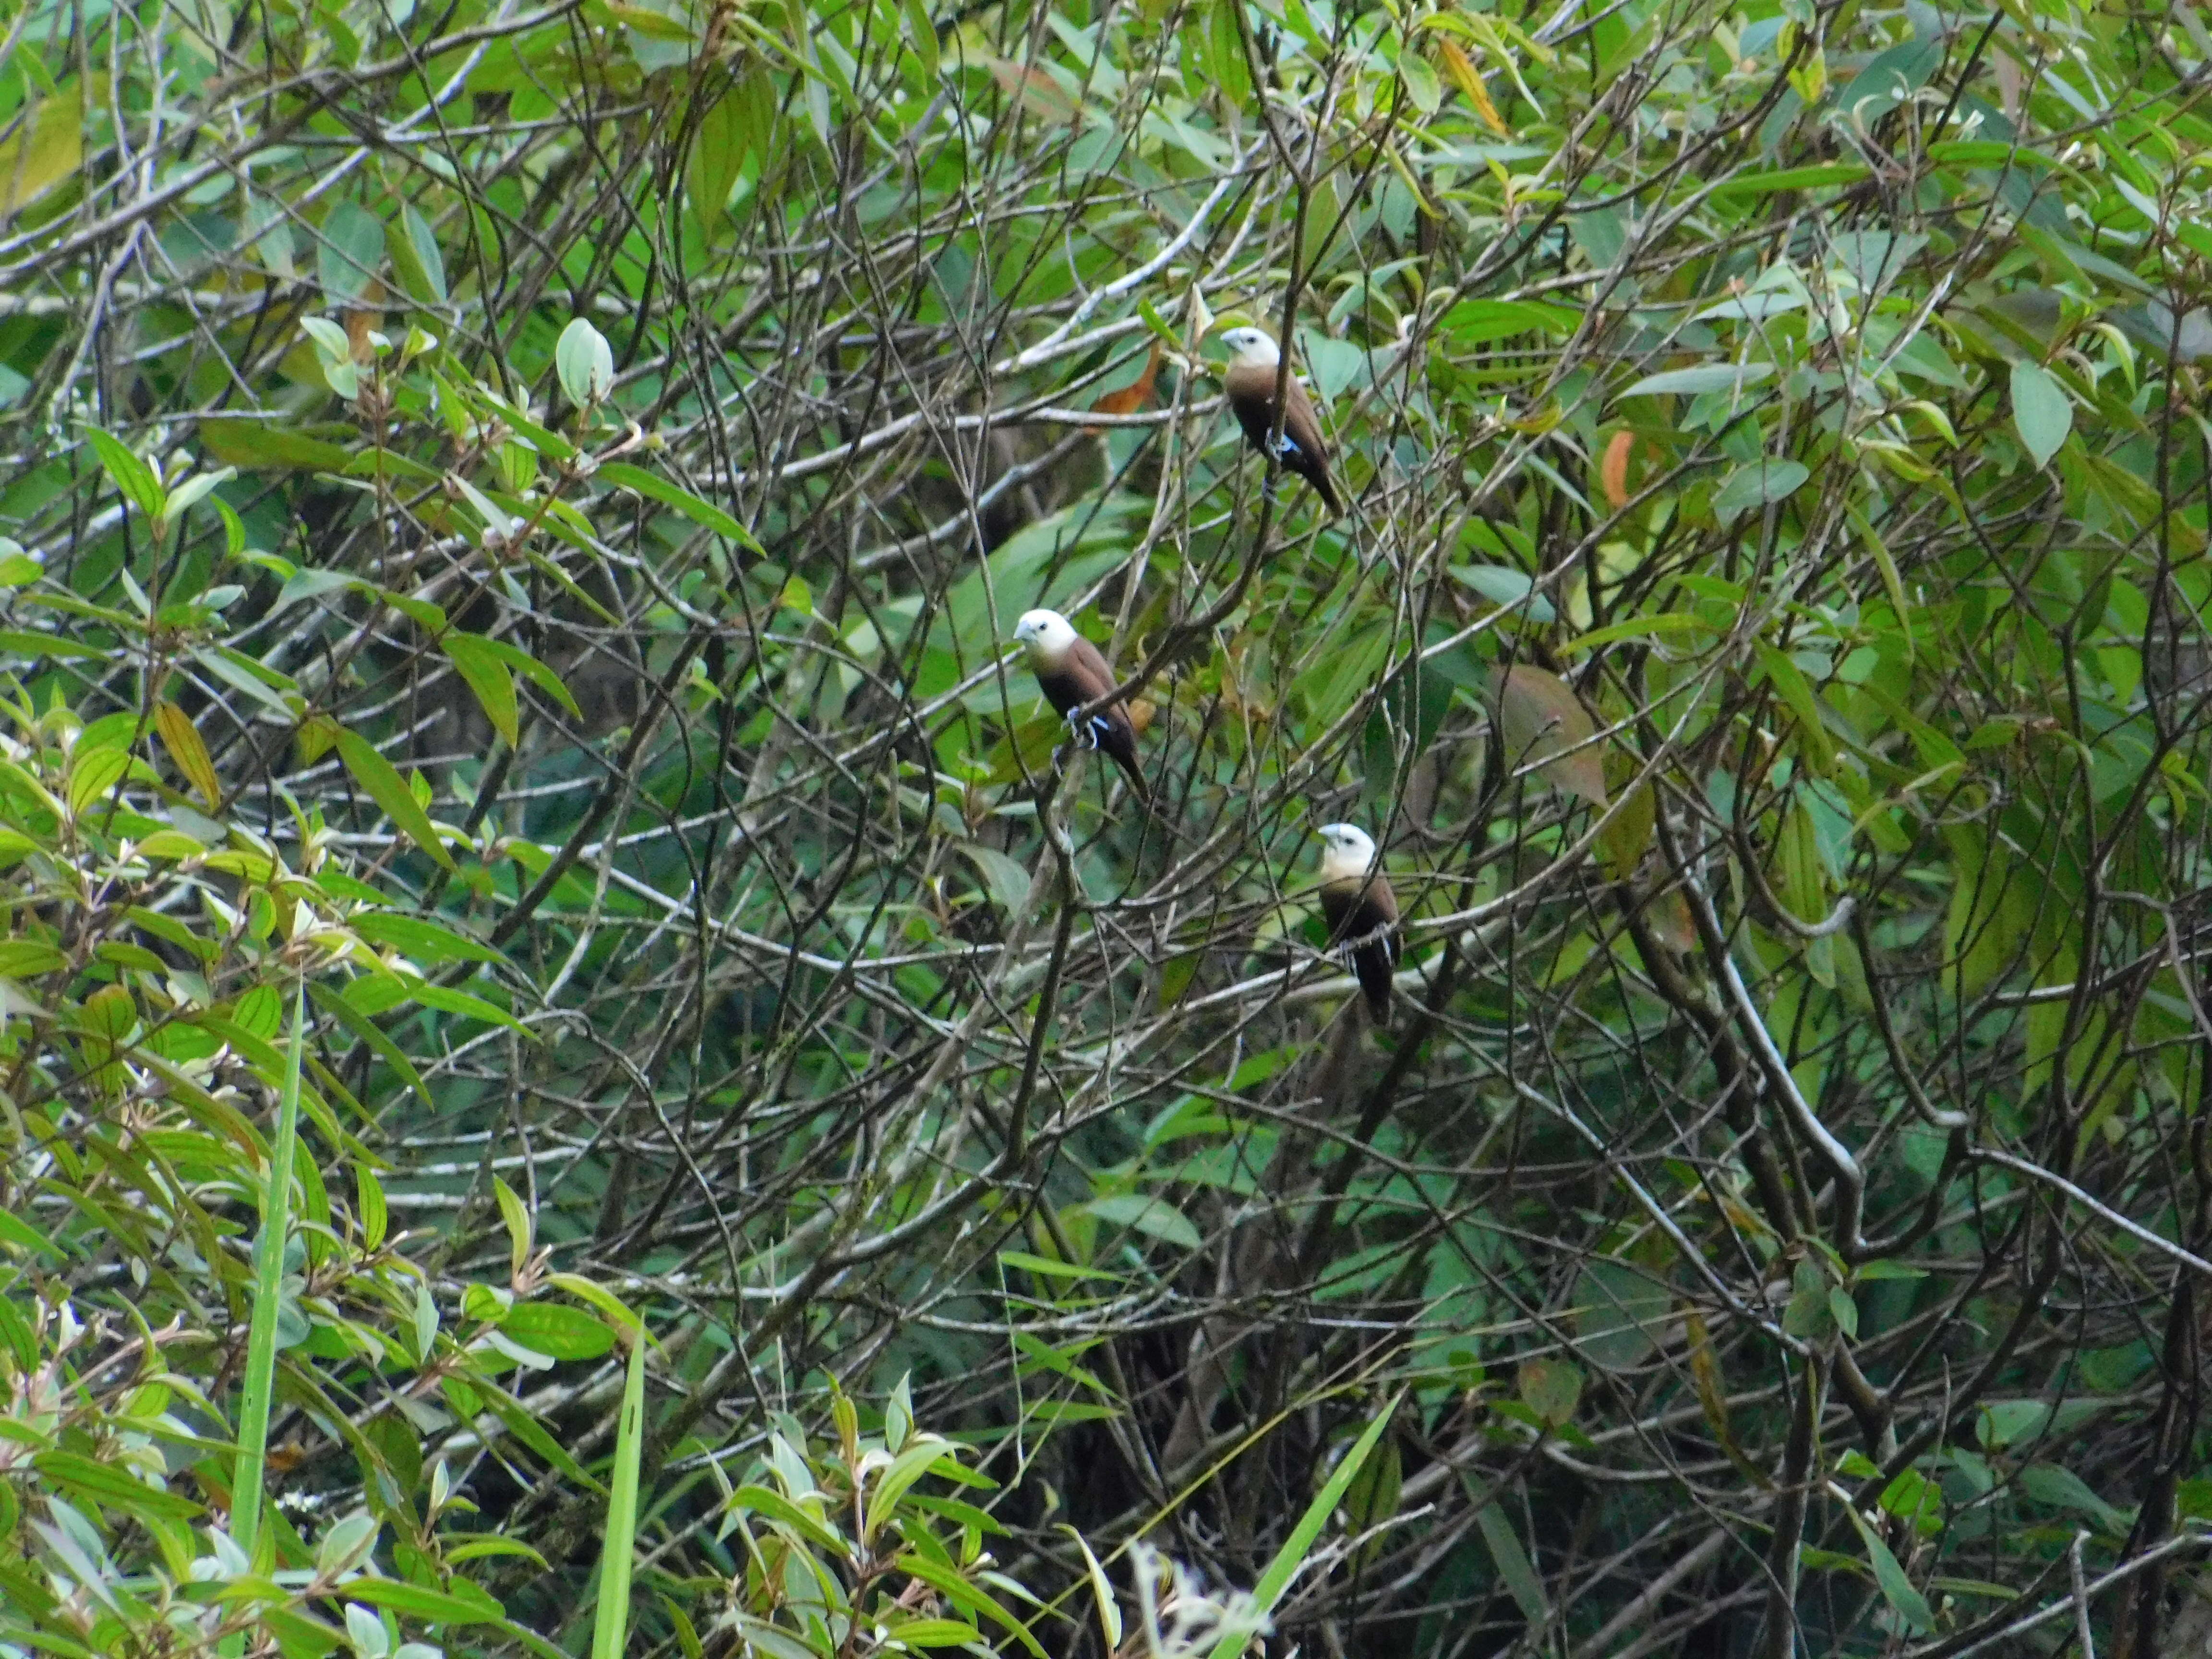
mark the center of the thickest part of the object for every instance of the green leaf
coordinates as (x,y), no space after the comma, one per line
(420,1602)
(1050,1269)
(114,1488)
(559,1332)
(1897,1589)
(2062,1488)
(524,1427)
(704,514)
(585,363)
(1758,485)
(44,150)
(416,258)
(718,153)
(919,1457)
(20,1234)
(1480,322)
(21,642)
(461,1002)
(26,959)
(1146,1213)
(922,36)
(490,680)
(1512,589)
(1552,1389)
(2041,412)
(389,791)
(262,444)
(424,942)
(934,1634)
(516,1214)
(1844,1311)
(92,774)
(129,474)
(364,1029)
(1797,695)
(1806,178)
(1512,1559)
(521,662)
(349,251)
(1706,377)
(183,741)
(763,1500)
(961,1593)
(1008,882)
(258,1390)
(1372,1498)
(1622,1311)
(1288,1559)
(610,1627)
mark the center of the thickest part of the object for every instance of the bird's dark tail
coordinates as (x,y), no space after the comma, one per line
(1127,763)
(1329,495)
(1372,964)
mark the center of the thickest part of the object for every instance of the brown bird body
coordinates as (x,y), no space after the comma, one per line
(1071,672)
(1250,382)
(1361,910)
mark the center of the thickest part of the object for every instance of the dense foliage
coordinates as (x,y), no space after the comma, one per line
(514,520)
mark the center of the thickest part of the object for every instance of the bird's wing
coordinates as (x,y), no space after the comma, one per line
(1088,667)
(1302,425)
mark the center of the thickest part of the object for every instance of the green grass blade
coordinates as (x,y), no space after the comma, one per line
(1293,1555)
(268,1289)
(612,1627)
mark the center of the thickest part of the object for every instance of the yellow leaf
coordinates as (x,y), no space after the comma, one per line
(182,739)
(1039,94)
(1469,80)
(45,148)
(1623,840)
(1712,1396)
(1539,716)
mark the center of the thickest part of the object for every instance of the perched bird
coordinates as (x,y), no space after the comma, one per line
(1071,673)
(1250,383)
(1361,909)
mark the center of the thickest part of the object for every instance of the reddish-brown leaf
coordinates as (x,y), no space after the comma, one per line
(1132,397)
(1613,472)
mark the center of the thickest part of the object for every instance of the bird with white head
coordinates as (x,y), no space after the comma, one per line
(1251,380)
(1072,674)
(1361,910)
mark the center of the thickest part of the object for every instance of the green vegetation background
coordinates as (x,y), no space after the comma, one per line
(514,518)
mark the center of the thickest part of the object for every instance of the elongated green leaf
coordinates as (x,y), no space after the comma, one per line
(650,485)
(1147,1213)
(349,251)
(1897,1589)
(2041,412)
(420,1602)
(1706,377)
(719,143)
(1295,1548)
(490,680)
(1512,1559)
(260,1378)
(389,791)
(130,474)
(425,941)
(764,1500)
(610,1627)
(532,669)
